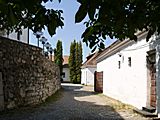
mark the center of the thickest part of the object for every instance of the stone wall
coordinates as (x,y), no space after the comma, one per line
(28,77)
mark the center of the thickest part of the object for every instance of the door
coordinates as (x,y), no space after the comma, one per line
(153,85)
(151,63)
(98,81)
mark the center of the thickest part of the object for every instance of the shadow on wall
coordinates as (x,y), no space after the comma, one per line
(68,108)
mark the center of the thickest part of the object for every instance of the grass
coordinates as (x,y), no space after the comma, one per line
(116,104)
(32,108)
(121,106)
(56,96)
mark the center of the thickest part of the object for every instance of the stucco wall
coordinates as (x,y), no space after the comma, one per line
(66,78)
(88,76)
(23,38)
(28,77)
(129,83)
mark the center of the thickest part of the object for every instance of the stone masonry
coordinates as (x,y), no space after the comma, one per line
(28,77)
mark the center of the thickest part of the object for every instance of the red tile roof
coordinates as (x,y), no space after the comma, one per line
(65,59)
(91,60)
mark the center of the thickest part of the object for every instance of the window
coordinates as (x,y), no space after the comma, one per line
(119,64)
(129,61)
(63,74)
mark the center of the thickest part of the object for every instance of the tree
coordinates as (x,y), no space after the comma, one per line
(19,14)
(58,56)
(75,62)
(72,64)
(114,18)
(78,61)
(117,18)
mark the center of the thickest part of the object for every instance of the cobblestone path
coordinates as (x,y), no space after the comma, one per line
(77,102)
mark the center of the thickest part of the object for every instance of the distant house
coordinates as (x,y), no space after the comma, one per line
(131,71)
(88,69)
(19,36)
(65,73)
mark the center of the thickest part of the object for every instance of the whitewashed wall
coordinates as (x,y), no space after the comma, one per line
(66,78)
(127,84)
(88,76)
(23,38)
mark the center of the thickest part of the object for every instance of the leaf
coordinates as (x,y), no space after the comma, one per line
(52,27)
(102,45)
(94,49)
(150,33)
(91,11)
(45,1)
(92,43)
(87,32)
(60,23)
(81,13)
(97,24)
(12,16)
(2,1)
(62,18)
(81,1)
(61,11)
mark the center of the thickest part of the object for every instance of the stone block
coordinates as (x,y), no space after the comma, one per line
(11,104)
(1,103)
(1,84)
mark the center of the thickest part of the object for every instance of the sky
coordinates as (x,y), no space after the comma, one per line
(70,31)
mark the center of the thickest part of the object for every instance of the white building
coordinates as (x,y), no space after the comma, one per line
(88,69)
(131,71)
(23,36)
(65,73)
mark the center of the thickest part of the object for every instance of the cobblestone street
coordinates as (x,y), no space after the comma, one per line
(77,102)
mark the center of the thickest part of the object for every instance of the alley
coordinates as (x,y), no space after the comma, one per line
(76,102)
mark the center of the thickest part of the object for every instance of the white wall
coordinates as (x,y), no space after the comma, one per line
(23,38)
(66,78)
(88,76)
(127,84)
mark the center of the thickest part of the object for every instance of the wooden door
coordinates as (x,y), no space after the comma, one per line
(98,82)
(151,63)
(153,85)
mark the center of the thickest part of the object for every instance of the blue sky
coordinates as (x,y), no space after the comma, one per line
(70,31)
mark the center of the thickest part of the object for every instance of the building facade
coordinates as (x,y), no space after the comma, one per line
(88,69)
(131,71)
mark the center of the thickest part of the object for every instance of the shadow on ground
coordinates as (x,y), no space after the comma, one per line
(73,104)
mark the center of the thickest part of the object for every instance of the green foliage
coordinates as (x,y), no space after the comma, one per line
(31,14)
(58,55)
(75,62)
(72,61)
(117,18)
(114,18)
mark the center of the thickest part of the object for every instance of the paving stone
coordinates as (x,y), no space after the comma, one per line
(76,103)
